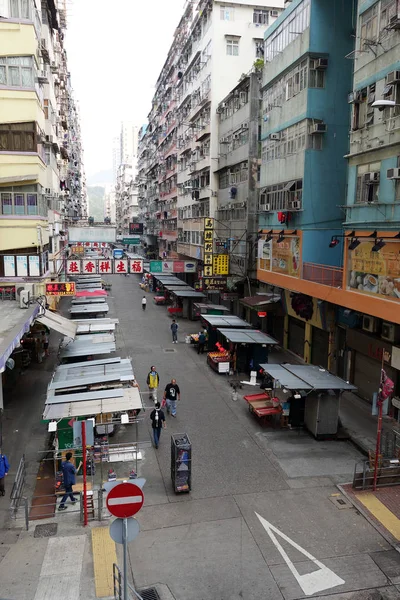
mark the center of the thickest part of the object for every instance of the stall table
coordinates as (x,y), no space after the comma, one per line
(261,406)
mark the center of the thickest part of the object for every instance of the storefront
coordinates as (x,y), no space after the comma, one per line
(367,353)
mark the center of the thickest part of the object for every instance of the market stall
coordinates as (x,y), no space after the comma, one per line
(87,346)
(184,299)
(220,360)
(212,322)
(199,308)
(89,309)
(311,391)
(87,300)
(248,347)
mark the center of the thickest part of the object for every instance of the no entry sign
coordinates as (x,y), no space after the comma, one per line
(125,500)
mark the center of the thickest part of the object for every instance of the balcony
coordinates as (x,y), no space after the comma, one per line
(324,275)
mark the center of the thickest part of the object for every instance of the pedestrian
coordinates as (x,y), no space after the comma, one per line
(144,302)
(157,422)
(202,343)
(4,468)
(174,329)
(172,393)
(45,342)
(69,472)
(153,381)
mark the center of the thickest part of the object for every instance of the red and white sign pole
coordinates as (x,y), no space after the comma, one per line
(124,501)
(85,506)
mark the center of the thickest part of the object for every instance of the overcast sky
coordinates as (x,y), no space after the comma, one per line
(115,53)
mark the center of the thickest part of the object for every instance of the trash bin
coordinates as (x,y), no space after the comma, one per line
(181,463)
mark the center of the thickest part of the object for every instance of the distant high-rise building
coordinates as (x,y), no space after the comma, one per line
(116,157)
(129,143)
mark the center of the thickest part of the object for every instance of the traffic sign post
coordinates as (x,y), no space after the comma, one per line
(124,501)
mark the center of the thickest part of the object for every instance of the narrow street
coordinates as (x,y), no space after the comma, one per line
(210,543)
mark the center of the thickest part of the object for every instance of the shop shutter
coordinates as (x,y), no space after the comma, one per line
(296,336)
(319,347)
(277,328)
(366,375)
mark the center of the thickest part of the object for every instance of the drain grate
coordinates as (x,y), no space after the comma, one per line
(340,501)
(46,530)
(169,350)
(149,594)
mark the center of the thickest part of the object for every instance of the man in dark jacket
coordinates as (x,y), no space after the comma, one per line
(69,472)
(4,468)
(157,422)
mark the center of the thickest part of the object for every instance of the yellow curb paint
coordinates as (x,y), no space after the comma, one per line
(381,513)
(104,555)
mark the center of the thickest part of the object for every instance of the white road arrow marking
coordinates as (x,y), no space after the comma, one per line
(310,583)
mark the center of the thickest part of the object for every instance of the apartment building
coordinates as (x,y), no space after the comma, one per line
(214,44)
(370,331)
(238,169)
(126,198)
(305,122)
(41,175)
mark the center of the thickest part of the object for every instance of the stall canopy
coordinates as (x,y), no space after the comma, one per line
(58,323)
(260,300)
(84,328)
(220,307)
(228,321)
(187,293)
(182,288)
(89,308)
(86,300)
(89,349)
(72,374)
(90,293)
(171,281)
(306,377)
(92,403)
(247,336)
(14,322)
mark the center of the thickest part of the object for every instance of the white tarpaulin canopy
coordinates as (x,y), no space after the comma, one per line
(58,323)
(92,403)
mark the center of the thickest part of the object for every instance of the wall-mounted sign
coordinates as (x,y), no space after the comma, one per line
(22,266)
(59,288)
(221,264)
(171,266)
(91,234)
(104,266)
(282,257)
(213,283)
(136,228)
(9,266)
(375,273)
(262,314)
(131,241)
(34,266)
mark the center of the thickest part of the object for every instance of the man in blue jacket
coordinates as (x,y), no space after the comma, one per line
(69,472)
(4,468)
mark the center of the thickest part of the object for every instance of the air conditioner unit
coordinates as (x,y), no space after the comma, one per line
(319,128)
(295,205)
(275,136)
(236,136)
(47,191)
(369,324)
(372,177)
(224,141)
(223,105)
(394,21)
(354,97)
(393,77)
(393,173)
(389,332)
(245,126)
(265,207)
(321,63)
(24,299)
(274,13)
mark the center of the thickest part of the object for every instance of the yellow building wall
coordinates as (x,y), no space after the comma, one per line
(17,39)
(15,165)
(20,106)
(22,233)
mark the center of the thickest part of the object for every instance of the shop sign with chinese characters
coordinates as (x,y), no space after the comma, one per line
(375,273)
(58,288)
(171,266)
(104,266)
(221,264)
(213,283)
(280,257)
(208,247)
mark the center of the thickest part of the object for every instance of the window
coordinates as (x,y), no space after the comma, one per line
(20,9)
(363,112)
(369,26)
(367,191)
(18,137)
(282,195)
(316,76)
(294,24)
(397,182)
(260,17)
(288,86)
(17,71)
(232,47)
(227,13)
(6,204)
(32,204)
(19,204)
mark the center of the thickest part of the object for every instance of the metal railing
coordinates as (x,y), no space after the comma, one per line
(323,274)
(363,478)
(18,487)
(118,586)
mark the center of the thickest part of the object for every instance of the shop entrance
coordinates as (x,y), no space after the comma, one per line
(296,336)
(319,347)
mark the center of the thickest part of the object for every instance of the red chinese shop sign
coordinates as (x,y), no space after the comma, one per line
(103,266)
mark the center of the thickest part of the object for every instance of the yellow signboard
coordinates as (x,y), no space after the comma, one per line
(208,270)
(208,223)
(208,259)
(376,273)
(221,264)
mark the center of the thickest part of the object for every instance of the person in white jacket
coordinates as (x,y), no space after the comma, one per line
(144,302)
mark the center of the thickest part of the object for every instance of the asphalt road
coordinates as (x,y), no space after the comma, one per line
(262,520)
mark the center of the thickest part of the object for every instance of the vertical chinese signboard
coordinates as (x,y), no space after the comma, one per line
(208,246)
(221,264)
(375,273)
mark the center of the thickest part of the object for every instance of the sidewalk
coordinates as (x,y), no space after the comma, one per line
(380,508)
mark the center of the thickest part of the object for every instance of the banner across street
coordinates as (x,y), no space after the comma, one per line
(106,266)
